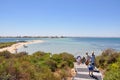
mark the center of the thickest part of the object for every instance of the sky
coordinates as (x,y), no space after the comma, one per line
(88,18)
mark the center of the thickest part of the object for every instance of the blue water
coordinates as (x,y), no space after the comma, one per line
(75,46)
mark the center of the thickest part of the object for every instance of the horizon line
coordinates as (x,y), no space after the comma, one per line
(63,36)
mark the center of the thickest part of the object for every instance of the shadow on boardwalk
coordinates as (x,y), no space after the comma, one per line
(95,77)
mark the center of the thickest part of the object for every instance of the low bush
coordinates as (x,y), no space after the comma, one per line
(38,66)
(110,62)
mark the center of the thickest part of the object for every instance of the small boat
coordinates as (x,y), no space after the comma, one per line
(25,46)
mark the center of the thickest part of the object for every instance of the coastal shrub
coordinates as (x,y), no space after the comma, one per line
(108,57)
(51,64)
(6,54)
(109,61)
(38,54)
(39,65)
(62,64)
(113,71)
(6,44)
(46,74)
(63,59)
(68,58)
(21,54)
(100,62)
(112,58)
(57,58)
(108,52)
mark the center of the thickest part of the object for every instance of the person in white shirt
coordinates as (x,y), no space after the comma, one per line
(87,59)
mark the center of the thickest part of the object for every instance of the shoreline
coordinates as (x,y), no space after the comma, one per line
(14,47)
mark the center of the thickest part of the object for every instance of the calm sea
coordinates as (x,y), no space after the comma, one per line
(75,46)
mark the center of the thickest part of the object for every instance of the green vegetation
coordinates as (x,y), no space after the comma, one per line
(38,66)
(109,62)
(6,44)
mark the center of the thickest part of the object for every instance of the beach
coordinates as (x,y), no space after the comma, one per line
(16,46)
(75,46)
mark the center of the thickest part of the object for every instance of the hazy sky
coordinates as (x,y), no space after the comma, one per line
(60,17)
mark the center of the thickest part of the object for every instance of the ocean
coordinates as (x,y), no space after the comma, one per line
(74,45)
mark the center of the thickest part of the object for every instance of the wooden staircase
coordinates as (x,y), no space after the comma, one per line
(82,73)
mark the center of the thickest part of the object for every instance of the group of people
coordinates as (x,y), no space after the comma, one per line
(88,60)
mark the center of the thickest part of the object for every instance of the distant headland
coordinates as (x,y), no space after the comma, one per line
(33,36)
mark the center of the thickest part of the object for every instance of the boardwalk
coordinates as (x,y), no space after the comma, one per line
(83,73)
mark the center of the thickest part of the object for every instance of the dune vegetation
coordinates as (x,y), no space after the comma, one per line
(38,66)
(109,64)
(6,44)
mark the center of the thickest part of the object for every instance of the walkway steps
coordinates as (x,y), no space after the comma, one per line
(82,73)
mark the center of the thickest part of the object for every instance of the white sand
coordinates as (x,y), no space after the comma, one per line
(14,47)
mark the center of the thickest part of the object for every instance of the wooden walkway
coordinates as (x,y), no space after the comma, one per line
(82,73)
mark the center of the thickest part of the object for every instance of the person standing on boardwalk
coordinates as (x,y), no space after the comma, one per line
(93,58)
(91,65)
(83,60)
(91,68)
(87,58)
(78,59)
